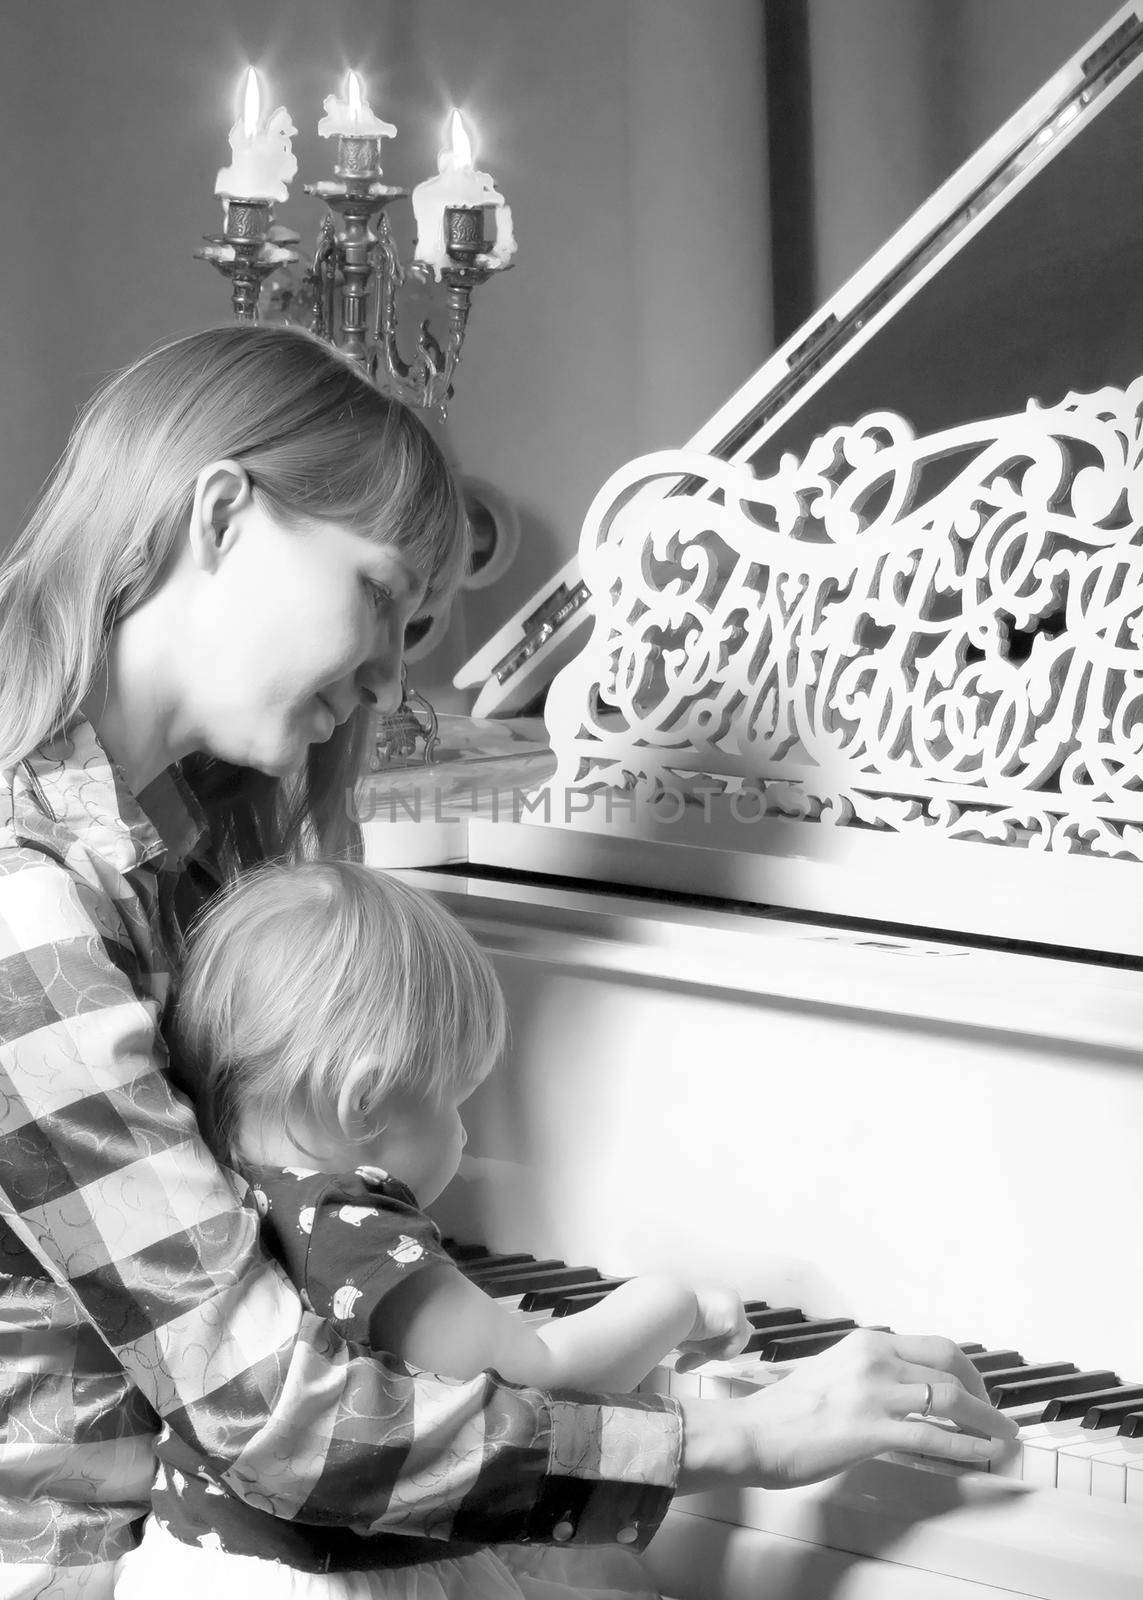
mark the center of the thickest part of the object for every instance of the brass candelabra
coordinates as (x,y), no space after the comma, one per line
(349,294)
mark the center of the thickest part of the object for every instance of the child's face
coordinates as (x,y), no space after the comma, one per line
(421,1144)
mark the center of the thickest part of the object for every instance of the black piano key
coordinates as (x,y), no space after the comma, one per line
(549,1277)
(1020,1374)
(466,1252)
(1108,1414)
(996,1360)
(1068,1407)
(970,1349)
(762,1337)
(1132,1425)
(507,1268)
(775,1316)
(495,1263)
(518,1280)
(1032,1390)
(543,1278)
(547,1299)
(806,1344)
(750,1306)
(581,1299)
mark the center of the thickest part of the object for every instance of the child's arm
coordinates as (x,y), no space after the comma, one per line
(618,1341)
(441,1322)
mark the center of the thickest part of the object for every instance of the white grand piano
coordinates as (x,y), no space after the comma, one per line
(824,945)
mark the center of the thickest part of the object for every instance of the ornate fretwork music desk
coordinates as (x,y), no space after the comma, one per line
(870,645)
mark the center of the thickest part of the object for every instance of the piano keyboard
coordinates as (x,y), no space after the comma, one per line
(982,1531)
(1081,1431)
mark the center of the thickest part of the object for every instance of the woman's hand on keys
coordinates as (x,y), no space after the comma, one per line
(862,1398)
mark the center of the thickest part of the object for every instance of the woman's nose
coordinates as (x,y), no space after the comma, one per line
(381,680)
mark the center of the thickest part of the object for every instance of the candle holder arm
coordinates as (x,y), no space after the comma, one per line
(424,381)
(320,282)
(245,264)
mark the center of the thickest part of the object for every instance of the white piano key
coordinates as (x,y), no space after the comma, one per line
(747,1371)
(1118,1467)
(715,1386)
(1027,1416)
(718,1379)
(1045,1435)
(1134,1480)
(1059,1431)
(1109,1475)
(684,1385)
(1041,1455)
(1009,1464)
(1073,1465)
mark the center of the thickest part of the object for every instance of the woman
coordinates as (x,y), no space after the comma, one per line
(194,630)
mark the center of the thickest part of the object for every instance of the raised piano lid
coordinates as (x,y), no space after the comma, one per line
(900,678)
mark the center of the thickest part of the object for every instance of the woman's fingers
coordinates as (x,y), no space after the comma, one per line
(931,1359)
(915,1378)
(917,1438)
(936,1379)
(951,1400)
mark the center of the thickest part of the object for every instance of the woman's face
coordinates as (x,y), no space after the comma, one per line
(296,629)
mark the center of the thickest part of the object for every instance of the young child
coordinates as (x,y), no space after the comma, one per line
(330,1023)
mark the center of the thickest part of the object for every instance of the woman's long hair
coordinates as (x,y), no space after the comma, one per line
(317,441)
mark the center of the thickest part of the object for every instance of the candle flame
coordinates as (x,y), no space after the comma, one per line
(461,144)
(251,105)
(354,96)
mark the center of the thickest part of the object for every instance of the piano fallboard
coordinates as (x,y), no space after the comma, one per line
(903,1129)
(915,1131)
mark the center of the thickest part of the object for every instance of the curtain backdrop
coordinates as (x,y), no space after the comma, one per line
(871,104)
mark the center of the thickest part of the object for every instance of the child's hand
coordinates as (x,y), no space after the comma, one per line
(720,1328)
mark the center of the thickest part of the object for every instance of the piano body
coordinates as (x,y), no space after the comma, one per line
(824,947)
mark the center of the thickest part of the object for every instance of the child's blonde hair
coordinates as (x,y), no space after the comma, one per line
(312,992)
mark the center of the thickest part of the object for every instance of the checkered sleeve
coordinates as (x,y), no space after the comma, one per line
(104,1178)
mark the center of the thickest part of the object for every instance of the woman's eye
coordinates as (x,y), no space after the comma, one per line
(378,594)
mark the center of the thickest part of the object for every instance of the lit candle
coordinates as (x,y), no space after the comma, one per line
(358,132)
(262,160)
(353,116)
(458,186)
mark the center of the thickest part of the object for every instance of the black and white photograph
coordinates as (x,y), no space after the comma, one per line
(571,800)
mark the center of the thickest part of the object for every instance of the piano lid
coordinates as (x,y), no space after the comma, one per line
(1018,277)
(869,645)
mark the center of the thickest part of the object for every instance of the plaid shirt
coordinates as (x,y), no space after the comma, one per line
(133,1289)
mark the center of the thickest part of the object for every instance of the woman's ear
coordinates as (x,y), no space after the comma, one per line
(222,492)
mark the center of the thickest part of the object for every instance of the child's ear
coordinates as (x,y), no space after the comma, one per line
(353,1098)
